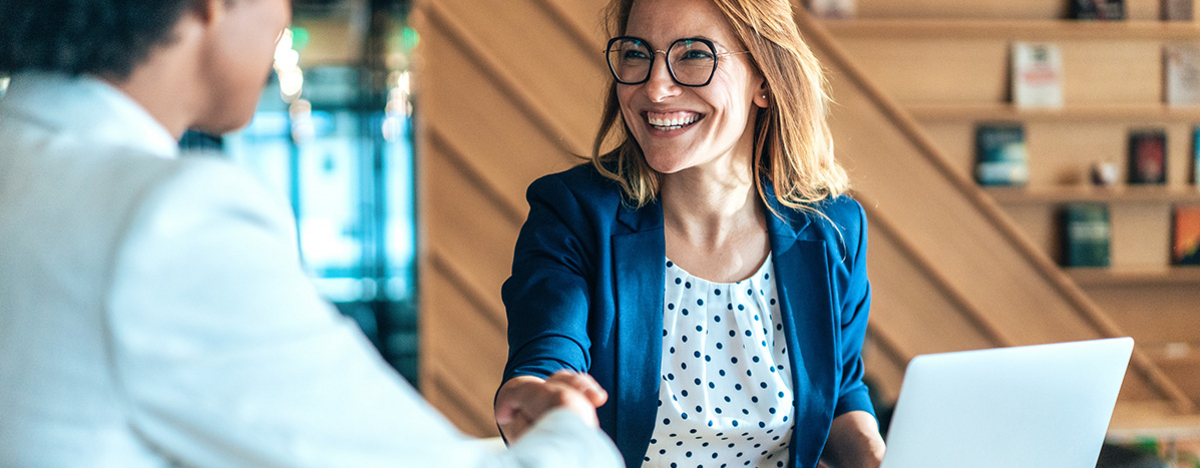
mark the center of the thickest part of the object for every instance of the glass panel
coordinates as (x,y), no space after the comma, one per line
(399,229)
(264,148)
(329,221)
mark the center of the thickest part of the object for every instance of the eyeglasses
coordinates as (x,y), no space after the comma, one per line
(691,60)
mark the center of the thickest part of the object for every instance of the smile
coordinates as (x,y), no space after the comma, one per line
(667,121)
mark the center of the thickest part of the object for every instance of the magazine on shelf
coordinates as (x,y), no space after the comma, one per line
(1186,239)
(1177,10)
(1037,75)
(1086,235)
(1181,64)
(1147,157)
(1102,10)
(1000,155)
(831,9)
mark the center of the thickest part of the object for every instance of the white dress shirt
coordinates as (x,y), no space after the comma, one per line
(153,312)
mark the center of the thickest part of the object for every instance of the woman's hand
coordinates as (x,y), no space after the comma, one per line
(523,400)
(854,442)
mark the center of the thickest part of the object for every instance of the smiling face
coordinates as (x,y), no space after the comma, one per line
(680,127)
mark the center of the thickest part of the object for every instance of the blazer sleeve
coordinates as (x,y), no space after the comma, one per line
(855,309)
(547,296)
(227,357)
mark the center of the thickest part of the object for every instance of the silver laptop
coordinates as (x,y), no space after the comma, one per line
(1027,407)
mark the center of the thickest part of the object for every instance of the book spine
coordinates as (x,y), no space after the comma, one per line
(1086,235)
(1196,155)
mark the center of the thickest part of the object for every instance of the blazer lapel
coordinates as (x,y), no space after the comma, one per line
(802,282)
(639,257)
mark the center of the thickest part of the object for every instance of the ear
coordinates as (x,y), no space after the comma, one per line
(209,12)
(762,93)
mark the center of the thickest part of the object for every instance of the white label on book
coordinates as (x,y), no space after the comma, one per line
(1182,74)
(1037,75)
(1177,10)
(831,8)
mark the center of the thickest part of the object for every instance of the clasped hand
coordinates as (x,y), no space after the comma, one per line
(523,400)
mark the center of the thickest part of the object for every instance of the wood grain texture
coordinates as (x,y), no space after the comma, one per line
(1008,10)
(509,91)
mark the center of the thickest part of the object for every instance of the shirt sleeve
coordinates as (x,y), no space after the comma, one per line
(856,305)
(547,296)
(227,357)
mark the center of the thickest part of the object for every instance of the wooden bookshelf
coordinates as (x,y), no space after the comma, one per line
(1042,30)
(1178,275)
(1144,113)
(949,65)
(1085,193)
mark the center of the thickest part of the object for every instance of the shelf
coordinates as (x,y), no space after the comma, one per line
(1085,193)
(1110,277)
(1042,30)
(1142,113)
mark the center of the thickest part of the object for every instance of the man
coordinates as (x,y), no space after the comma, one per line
(153,311)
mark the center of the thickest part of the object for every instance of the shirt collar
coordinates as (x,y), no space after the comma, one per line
(87,107)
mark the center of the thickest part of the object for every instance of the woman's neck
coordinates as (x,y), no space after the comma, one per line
(705,206)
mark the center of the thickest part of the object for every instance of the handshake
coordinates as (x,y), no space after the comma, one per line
(523,400)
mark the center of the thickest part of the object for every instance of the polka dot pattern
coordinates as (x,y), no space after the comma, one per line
(725,398)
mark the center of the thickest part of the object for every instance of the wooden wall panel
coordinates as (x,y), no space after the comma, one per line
(975,70)
(508,90)
(569,91)
(498,107)
(934,71)
(1016,9)
(928,208)
(976,248)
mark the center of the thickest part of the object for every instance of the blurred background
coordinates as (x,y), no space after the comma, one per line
(404,133)
(333,135)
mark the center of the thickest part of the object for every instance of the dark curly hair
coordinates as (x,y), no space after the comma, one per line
(101,37)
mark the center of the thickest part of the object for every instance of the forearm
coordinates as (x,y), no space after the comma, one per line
(854,442)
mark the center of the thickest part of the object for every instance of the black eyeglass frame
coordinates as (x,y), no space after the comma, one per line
(666,57)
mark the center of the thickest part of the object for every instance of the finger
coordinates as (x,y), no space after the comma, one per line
(569,398)
(585,384)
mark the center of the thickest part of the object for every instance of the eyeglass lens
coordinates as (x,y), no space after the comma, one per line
(691,62)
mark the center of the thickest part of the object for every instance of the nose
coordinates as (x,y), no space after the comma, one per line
(660,85)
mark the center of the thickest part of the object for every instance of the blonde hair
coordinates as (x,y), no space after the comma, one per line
(793,148)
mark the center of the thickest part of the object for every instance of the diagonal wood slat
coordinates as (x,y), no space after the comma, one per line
(470,207)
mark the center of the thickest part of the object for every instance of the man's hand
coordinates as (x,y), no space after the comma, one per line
(522,401)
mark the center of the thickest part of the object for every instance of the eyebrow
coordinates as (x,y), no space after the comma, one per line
(699,36)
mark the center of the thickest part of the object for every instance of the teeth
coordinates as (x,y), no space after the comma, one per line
(673,123)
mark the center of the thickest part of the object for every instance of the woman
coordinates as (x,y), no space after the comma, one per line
(709,273)
(153,311)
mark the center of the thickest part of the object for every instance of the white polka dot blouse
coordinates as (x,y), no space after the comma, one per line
(725,398)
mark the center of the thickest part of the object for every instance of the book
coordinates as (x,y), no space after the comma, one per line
(1102,10)
(1196,155)
(1037,75)
(1147,157)
(1177,10)
(1181,70)
(831,9)
(1086,235)
(1186,239)
(1000,155)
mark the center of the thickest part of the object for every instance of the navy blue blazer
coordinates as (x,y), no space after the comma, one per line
(586,294)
